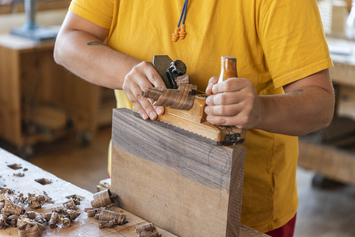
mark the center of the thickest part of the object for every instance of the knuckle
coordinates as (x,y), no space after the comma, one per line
(139,97)
(250,96)
(223,110)
(223,99)
(244,121)
(229,83)
(137,94)
(134,71)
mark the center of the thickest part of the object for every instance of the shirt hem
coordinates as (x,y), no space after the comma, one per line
(275,224)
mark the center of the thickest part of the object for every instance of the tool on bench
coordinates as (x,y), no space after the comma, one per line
(184,105)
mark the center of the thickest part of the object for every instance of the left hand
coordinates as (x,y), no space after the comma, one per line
(234,103)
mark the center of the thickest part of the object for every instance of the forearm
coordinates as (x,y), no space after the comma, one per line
(297,113)
(84,55)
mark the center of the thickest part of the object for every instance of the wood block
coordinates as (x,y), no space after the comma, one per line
(331,162)
(181,184)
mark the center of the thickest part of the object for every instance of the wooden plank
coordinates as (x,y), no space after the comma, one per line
(187,187)
(346,102)
(10,95)
(58,190)
(245,231)
(329,161)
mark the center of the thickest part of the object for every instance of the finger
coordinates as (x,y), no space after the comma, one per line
(153,76)
(211,82)
(232,84)
(137,105)
(223,110)
(159,109)
(227,98)
(225,121)
(147,106)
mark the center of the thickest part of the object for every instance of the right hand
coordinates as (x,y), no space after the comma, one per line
(141,76)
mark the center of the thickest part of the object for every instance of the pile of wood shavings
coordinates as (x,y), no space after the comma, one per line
(30,223)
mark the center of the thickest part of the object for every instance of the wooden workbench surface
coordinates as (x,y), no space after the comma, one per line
(58,190)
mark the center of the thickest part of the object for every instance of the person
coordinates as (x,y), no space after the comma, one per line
(283,89)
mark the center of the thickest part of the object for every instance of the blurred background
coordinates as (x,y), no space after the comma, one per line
(62,124)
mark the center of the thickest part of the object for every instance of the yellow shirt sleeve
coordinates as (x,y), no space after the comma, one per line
(293,40)
(94,11)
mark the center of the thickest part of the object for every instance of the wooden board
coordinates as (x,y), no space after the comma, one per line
(58,190)
(346,102)
(185,186)
(329,161)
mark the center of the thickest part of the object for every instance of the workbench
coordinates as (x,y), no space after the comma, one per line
(326,157)
(58,190)
(31,81)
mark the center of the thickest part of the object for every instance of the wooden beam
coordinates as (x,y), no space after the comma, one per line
(185,186)
(329,161)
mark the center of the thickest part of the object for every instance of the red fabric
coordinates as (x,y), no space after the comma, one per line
(285,230)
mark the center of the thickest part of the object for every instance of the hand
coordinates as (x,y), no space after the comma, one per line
(143,75)
(234,103)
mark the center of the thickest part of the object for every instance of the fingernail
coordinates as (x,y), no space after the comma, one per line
(144,116)
(152,115)
(207,110)
(159,111)
(208,100)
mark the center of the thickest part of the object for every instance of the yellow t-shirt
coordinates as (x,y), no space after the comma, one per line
(275,43)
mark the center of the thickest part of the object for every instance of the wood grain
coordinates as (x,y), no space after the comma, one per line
(58,190)
(329,161)
(185,186)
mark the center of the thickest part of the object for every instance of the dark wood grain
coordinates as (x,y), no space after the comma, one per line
(174,172)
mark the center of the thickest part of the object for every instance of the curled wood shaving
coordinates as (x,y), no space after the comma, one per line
(70,204)
(29,228)
(35,216)
(61,215)
(54,219)
(182,98)
(107,224)
(3,220)
(102,199)
(12,220)
(34,201)
(147,230)
(76,198)
(12,209)
(107,215)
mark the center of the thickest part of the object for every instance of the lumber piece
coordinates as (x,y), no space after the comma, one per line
(179,183)
(331,162)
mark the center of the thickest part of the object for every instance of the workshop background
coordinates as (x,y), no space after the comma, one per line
(62,124)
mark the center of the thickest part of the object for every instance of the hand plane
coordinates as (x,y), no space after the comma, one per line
(184,105)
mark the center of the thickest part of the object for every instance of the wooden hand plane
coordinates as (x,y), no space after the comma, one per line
(184,105)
